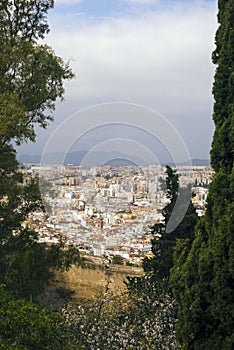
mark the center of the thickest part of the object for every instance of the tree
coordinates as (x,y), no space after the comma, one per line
(114,321)
(223,140)
(31,75)
(151,293)
(31,79)
(25,326)
(164,242)
(118,260)
(202,282)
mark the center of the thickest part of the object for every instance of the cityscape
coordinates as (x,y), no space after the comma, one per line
(109,210)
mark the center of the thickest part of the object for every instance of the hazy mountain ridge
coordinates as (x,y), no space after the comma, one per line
(111,158)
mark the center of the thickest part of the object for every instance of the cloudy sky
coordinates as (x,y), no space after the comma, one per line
(154,54)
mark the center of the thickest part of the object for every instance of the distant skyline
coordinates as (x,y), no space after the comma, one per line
(147,52)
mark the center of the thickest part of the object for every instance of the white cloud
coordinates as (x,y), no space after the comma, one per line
(161,59)
(167,52)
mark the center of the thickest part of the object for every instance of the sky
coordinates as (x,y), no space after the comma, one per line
(133,58)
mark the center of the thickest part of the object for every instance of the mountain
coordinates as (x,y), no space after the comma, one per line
(195,162)
(97,158)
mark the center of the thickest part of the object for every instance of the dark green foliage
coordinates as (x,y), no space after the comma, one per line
(31,75)
(164,242)
(223,89)
(203,280)
(25,265)
(25,326)
(31,79)
(117,259)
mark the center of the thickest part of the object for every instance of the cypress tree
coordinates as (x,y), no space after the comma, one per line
(164,242)
(202,280)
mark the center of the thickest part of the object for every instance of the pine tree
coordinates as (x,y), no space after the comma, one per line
(202,280)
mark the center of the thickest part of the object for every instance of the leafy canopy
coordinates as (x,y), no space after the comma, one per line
(31,79)
(31,75)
